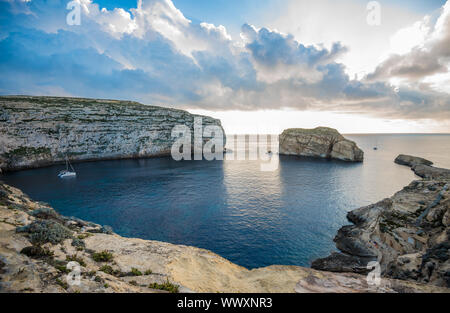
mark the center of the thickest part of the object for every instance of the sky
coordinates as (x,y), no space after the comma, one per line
(259,65)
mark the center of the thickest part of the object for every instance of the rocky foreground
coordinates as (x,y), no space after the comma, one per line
(321,142)
(40,131)
(38,248)
(408,234)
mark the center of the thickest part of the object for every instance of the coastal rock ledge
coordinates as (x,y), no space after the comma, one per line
(408,233)
(321,142)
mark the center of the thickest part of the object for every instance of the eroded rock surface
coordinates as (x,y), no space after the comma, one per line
(411,161)
(38,259)
(39,131)
(320,142)
(408,234)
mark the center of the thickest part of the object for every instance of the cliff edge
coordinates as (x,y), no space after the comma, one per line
(40,131)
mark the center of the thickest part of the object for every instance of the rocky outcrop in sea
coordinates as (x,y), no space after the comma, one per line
(408,234)
(321,142)
(39,131)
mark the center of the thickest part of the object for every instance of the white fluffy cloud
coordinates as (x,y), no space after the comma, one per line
(429,55)
(155,55)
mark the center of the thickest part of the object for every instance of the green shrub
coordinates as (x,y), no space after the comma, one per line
(135,272)
(63,284)
(45,213)
(62,268)
(76,258)
(36,252)
(15,206)
(148,272)
(167,286)
(45,231)
(107,269)
(103,256)
(79,243)
(84,236)
(26,151)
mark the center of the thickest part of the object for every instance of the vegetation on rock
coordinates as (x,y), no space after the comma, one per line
(167,286)
(43,231)
(103,256)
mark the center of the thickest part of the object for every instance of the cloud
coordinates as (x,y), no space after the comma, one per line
(328,21)
(271,48)
(155,55)
(429,57)
(139,55)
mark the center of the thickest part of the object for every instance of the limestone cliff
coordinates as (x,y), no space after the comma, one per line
(320,142)
(39,131)
(38,246)
(409,233)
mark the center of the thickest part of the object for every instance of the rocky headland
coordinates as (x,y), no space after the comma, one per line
(408,234)
(39,247)
(40,131)
(321,142)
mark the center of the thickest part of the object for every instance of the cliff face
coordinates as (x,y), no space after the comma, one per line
(409,233)
(320,142)
(37,246)
(38,131)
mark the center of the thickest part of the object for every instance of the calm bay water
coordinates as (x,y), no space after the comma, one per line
(252,218)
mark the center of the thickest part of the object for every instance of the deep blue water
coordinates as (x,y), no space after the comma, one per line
(252,218)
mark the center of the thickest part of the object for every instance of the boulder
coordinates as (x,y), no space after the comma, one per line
(411,161)
(321,142)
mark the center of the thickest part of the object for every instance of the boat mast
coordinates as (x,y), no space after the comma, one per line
(69,164)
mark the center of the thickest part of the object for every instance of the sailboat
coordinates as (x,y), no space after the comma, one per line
(67,173)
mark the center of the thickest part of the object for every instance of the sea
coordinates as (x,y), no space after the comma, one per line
(288,215)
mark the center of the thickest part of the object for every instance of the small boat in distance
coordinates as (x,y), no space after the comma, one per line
(66,173)
(376,145)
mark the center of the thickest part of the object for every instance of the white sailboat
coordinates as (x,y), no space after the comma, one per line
(67,173)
